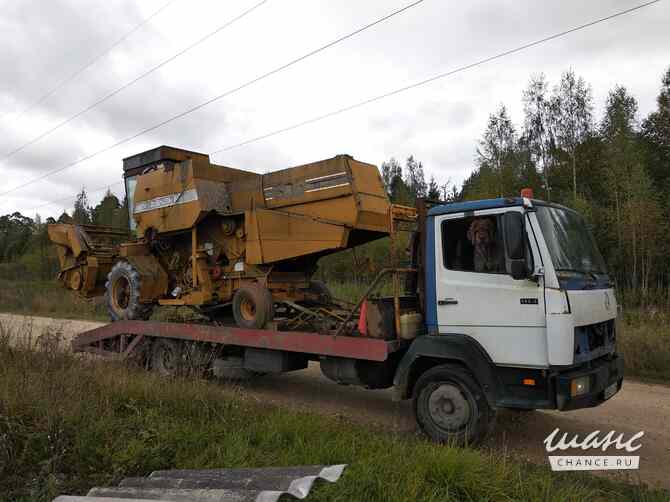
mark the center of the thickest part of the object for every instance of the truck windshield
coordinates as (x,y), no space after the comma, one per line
(571,245)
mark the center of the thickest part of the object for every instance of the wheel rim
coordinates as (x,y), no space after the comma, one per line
(121,293)
(248,309)
(448,407)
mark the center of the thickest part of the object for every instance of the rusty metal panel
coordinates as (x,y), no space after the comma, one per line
(276,235)
(267,484)
(293,341)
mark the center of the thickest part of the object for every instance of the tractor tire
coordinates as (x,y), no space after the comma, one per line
(253,306)
(450,406)
(122,294)
(322,292)
(167,357)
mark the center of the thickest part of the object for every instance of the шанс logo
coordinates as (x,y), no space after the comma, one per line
(592,441)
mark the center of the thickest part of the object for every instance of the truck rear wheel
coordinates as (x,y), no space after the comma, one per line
(166,357)
(253,306)
(122,294)
(232,369)
(450,406)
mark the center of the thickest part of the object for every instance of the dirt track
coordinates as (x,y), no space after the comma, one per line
(638,407)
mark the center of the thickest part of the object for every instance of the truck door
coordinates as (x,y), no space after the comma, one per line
(476,297)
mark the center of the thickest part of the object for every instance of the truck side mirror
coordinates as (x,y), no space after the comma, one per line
(515,245)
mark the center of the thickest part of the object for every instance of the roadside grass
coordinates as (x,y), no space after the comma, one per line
(644,339)
(49,299)
(68,423)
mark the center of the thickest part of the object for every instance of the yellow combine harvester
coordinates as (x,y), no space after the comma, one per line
(207,235)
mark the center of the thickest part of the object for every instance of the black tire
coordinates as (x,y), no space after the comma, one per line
(122,294)
(321,291)
(231,369)
(450,406)
(166,357)
(253,306)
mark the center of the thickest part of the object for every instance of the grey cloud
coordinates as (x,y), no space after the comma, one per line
(45,42)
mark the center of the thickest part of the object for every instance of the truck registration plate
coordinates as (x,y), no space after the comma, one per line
(610,390)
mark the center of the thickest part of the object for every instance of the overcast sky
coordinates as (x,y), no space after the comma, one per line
(43,42)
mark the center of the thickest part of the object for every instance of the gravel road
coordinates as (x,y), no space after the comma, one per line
(638,407)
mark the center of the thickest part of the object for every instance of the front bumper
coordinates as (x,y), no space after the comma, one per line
(602,374)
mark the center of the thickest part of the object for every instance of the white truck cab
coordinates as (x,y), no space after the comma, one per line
(520,309)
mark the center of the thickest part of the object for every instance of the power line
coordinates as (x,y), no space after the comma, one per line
(81,70)
(215,98)
(411,86)
(432,79)
(132,82)
(70,197)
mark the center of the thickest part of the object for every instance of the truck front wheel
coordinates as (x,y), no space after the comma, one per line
(450,406)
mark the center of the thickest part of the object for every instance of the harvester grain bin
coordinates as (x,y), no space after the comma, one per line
(207,235)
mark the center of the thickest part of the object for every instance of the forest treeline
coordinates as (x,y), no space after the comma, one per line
(25,250)
(614,168)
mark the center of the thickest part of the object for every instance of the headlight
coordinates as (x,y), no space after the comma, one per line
(580,386)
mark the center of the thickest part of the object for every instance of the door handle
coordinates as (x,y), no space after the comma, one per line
(448,301)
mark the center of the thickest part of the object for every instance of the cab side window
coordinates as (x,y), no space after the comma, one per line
(473,244)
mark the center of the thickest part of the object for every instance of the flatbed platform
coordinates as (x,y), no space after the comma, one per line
(131,333)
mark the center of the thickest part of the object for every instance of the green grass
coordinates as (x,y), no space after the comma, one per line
(68,423)
(644,339)
(49,299)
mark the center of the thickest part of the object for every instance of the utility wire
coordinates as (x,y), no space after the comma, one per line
(70,197)
(132,82)
(432,79)
(412,86)
(215,98)
(81,70)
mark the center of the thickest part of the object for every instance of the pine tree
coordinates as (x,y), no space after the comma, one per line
(106,213)
(82,211)
(434,191)
(415,178)
(496,169)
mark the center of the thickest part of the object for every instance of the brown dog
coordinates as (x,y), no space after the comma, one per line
(482,235)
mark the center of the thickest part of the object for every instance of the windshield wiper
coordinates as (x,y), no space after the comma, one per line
(578,271)
(593,275)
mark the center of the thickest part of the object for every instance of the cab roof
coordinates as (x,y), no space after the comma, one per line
(475,205)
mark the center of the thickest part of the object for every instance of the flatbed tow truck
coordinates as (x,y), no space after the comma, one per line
(505,303)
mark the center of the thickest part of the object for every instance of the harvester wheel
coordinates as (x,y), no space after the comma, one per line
(122,294)
(320,289)
(253,306)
